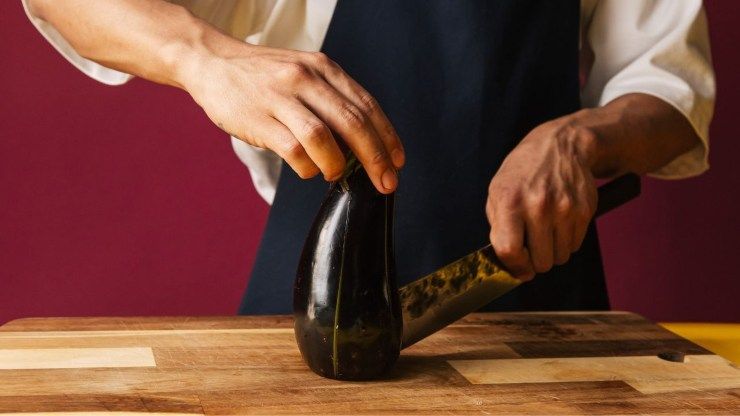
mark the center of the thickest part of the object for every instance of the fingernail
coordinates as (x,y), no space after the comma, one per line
(389,179)
(398,158)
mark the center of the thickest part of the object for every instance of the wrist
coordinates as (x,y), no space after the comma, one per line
(188,58)
(577,138)
(591,133)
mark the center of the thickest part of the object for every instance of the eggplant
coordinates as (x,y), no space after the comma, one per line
(345,299)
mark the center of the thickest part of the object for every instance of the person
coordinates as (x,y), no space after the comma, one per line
(508,110)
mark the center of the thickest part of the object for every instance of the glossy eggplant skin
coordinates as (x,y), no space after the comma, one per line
(345,300)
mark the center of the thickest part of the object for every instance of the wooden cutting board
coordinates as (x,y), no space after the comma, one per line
(530,363)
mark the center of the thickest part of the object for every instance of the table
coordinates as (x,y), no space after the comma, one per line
(533,363)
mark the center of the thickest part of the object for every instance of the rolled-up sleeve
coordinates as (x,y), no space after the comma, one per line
(238,18)
(660,48)
(92,69)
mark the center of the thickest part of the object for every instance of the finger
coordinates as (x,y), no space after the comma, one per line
(314,136)
(584,215)
(354,92)
(580,227)
(539,239)
(563,230)
(563,238)
(355,128)
(507,239)
(281,141)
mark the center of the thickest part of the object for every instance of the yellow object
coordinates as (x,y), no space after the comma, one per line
(721,339)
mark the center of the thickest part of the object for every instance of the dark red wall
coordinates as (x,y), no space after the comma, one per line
(127,201)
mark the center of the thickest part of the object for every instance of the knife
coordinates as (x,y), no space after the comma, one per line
(467,284)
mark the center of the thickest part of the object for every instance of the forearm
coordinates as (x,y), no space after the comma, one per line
(634,133)
(284,100)
(152,39)
(544,192)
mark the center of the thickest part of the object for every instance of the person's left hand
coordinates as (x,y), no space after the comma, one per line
(542,198)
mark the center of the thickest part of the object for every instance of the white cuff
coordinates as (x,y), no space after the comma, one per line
(264,167)
(90,68)
(659,48)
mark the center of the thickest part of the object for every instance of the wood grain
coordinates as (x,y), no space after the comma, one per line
(48,358)
(250,365)
(696,372)
(99,414)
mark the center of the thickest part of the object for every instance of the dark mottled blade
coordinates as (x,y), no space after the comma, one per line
(441,298)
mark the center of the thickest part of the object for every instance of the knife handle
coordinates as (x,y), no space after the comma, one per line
(617,192)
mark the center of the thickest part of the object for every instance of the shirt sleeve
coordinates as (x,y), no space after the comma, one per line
(92,69)
(239,18)
(656,47)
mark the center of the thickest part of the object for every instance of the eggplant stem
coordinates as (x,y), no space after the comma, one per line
(350,167)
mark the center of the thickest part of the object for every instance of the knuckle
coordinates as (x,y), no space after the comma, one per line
(564,205)
(369,104)
(292,150)
(320,58)
(378,158)
(585,133)
(503,196)
(352,117)
(539,202)
(314,132)
(389,130)
(514,257)
(325,63)
(294,71)
(507,251)
(505,248)
(509,199)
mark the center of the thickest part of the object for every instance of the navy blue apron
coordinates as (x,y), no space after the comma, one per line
(463,82)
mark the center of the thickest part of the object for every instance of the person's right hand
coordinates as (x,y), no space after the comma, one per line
(290,102)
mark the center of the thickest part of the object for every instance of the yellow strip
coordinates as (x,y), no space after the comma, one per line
(721,339)
(23,359)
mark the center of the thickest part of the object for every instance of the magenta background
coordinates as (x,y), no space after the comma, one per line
(127,201)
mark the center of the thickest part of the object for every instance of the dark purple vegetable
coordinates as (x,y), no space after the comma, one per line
(345,300)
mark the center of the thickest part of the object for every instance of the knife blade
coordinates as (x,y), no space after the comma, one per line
(471,282)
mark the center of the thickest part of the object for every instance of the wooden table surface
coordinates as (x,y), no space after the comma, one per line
(512,363)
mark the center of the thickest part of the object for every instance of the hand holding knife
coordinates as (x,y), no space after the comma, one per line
(465,285)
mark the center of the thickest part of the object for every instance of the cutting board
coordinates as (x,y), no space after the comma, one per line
(530,363)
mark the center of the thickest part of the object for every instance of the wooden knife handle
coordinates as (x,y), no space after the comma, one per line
(617,192)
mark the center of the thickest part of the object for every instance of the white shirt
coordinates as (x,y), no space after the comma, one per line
(656,47)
